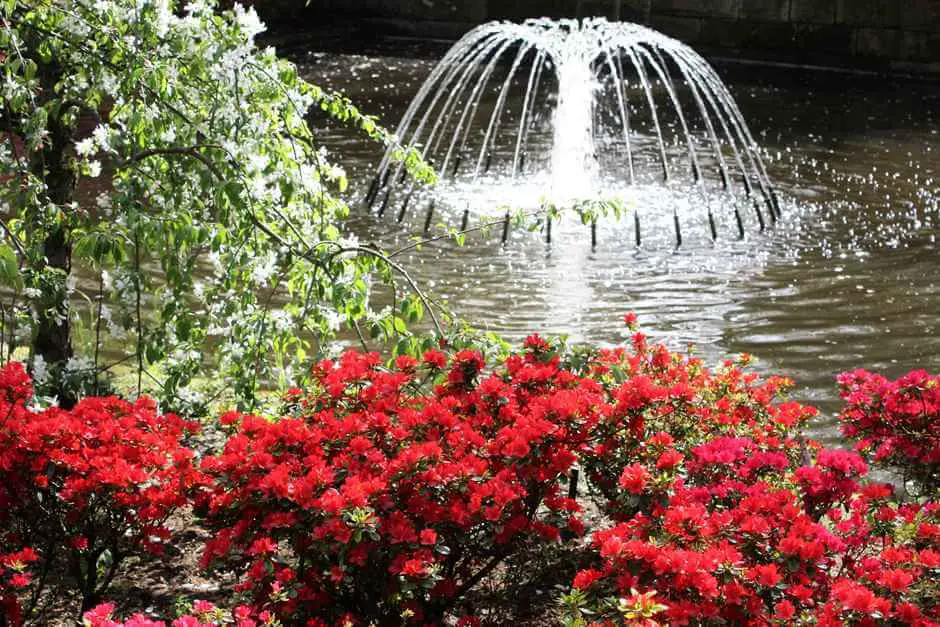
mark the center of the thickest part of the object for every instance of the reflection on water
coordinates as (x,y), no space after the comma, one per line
(847,280)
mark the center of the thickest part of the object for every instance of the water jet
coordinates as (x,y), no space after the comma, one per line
(602,109)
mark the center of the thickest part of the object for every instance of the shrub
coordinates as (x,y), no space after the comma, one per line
(91,486)
(374,500)
(672,416)
(15,558)
(896,423)
(725,516)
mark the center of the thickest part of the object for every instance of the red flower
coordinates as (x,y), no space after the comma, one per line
(414,568)
(435,359)
(630,320)
(634,477)
(262,546)
(784,611)
(669,459)
(765,575)
(406,363)
(896,580)
(584,578)
(536,344)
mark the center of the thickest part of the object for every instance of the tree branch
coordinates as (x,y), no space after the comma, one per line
(404,273)
(189,151)
(479,227)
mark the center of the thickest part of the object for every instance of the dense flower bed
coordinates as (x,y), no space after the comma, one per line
(896,422)
(82,490)
(726,515)
(391,493)
(373,499)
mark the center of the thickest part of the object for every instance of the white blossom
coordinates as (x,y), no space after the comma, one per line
(248,20)
(281,320)
(349,241)
(333,318)
(79,364)
(85,147)
(103,201)
(264,270)
(40,370)
(101,135)
(190,397)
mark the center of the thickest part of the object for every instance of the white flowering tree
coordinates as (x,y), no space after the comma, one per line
(212,235)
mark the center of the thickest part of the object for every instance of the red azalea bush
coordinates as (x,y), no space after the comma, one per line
(670,412)
(374,500)
(90,486)
(889,564)
(726,516)
(897,422)
(756,558)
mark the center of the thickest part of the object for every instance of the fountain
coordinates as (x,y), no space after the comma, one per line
(592,107)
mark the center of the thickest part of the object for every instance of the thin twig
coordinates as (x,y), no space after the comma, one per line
(190,151)
(404,273)
(98,326)
(479,227)
(140,324)
(362,339)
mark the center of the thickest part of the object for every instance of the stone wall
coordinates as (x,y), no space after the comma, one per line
(877,34)
(899,33)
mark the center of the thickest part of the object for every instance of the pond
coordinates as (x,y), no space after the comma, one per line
(847,279)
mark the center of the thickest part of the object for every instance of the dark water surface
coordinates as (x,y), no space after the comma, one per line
(848,279)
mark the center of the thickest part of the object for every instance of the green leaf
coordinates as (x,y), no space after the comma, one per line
(9,267)
(400,326)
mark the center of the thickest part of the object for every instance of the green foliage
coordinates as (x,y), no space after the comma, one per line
(216,229)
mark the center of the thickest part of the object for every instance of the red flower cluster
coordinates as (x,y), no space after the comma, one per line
(202,614)
(377,498)
(14,576)
(896,422)
(90,486)
(726,516)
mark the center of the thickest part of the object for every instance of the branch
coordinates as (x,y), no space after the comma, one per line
(479,227)
(362,339)
(404,273)
(13,239)
(480,574)
(190,151)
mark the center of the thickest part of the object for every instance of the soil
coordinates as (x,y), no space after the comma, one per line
(153,586)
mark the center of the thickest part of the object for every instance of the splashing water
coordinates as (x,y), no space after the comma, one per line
(573,149)
(607,110)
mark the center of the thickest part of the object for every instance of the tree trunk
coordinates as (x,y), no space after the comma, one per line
(53,340)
